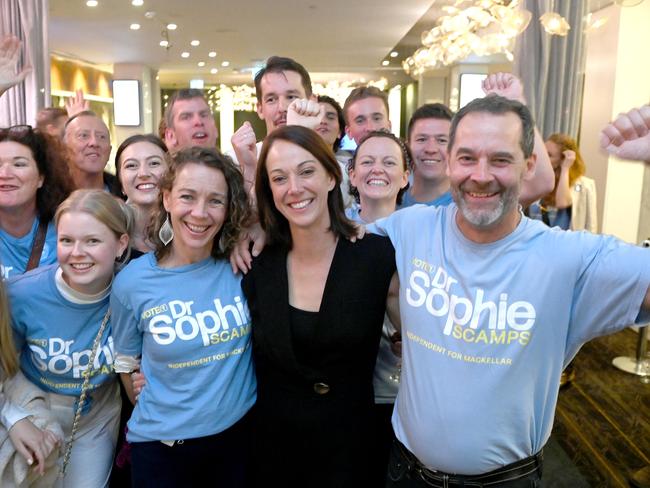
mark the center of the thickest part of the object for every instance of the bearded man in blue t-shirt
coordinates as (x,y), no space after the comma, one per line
(488,320)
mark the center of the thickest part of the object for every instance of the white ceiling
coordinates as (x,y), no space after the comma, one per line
(338,38)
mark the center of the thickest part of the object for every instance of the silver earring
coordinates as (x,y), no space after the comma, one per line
(166,232)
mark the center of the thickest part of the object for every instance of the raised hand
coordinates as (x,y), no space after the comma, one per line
(628,136)
(305,112)
(506,85)
(9,54)
(76,104)
(569,158)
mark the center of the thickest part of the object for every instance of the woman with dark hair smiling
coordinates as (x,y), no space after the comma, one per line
(34,180)
(317,303)
(140,163)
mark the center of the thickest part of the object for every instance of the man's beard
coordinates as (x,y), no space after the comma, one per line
(486,217)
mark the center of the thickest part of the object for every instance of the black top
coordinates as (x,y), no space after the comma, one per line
(314,403)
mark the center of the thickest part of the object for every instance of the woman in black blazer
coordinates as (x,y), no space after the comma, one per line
(317,302)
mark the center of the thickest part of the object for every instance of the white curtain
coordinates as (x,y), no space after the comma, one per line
(552,67)
(27,20)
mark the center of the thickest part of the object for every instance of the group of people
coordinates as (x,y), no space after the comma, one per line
(359,342)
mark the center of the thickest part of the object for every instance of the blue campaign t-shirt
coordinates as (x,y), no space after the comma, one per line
(15,251)
(192,326)
(487,329)
(55,336)
(442,201)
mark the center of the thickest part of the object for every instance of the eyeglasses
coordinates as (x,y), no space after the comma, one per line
(16,132)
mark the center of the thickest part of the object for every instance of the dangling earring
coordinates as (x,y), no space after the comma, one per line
(166,232)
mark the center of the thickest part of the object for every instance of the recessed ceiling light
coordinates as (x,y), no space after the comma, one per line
(185,54)
(195,43)
(385,62)
(225,63)
(201,64)
(149,15)
(212,54)
(164,43)
(137,3)
(134,26)
(92,3)
(214,71)
(394,54)
(172,26)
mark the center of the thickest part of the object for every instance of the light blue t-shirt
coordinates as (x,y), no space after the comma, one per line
(192,326)
(15,251)
(487,329)
(442,201)
(55,336)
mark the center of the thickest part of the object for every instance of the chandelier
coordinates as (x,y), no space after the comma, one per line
(469,27)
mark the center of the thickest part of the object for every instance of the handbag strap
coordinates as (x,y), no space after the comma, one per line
(37,246)
(84,393)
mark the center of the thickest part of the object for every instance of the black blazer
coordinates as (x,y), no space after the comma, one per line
(298,417)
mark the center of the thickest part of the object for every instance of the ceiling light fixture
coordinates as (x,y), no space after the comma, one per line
(137,3)
(394,54)
(591,24)
(164,43)
(92,3)
(225,64)
(385,62)
(214,71)
(481,28)
(185,54)
(555,24)
(201,64)
(172,26)
(195,43)
(134,26)
(212,54)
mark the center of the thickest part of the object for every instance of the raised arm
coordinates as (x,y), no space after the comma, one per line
(563,197)
(9,54)
(628,136)
(509,86)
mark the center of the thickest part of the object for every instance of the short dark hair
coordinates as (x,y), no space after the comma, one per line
(361,93)
(237,215)
(151,138)
(407,159)
(182,94)
(339,115)
(497,105)
(429,111)
(278,64)
(272,221)
(49,115)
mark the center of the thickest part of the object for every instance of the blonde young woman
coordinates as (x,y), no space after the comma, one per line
(60,315)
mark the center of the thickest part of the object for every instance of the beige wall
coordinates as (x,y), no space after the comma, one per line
(617,78)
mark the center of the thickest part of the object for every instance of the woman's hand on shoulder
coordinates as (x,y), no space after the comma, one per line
(241,257)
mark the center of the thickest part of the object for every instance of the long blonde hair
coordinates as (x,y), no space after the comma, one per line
(8,354)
